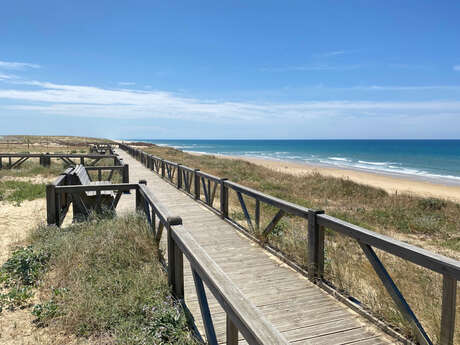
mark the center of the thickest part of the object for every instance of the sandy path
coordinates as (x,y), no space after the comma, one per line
(16,327)
(16,222)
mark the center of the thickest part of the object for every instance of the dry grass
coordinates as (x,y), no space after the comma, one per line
(426,222)
(105,283)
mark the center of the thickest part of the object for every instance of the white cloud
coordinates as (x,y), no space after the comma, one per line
(313,67)
(126,83)
(90,101)
(17,65)
(332,53)
(408,66)
(457,68)
(7,76)
(407,87)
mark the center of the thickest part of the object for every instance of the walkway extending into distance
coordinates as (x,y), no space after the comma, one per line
(300,310)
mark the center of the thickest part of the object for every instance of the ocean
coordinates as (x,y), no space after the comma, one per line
(430,160)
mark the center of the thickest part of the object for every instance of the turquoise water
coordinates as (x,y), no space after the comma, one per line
(432,160)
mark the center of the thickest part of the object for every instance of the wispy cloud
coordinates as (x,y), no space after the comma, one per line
(332,53)
(408,66)
(90,101)
(312,67)
(17,65)
(126,83)
(8,76)
(457,68)
(406,87)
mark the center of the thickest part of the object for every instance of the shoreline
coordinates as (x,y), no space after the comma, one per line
(391,184)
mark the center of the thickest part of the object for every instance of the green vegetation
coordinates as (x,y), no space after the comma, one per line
(31,168)
(106,282)
(428,222)
(18,191)
(19,275)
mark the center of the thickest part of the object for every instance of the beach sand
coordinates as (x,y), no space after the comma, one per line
(389,183)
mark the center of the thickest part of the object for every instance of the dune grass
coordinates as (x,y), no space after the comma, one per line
(105,282)
(18,191)
(427,222)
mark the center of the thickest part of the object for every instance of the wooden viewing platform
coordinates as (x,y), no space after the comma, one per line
(301,311)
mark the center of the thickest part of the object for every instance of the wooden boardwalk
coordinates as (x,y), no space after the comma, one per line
(300,310)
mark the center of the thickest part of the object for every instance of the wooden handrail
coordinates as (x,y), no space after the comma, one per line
(208,176)
(95,188)
(255,328)
(165,217)
(284,205)
(417,255)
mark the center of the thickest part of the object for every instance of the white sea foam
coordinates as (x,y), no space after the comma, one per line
(341,159)
(375,163)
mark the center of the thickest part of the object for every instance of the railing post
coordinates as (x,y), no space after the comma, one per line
(315,247)
(196,182)
(449,299)
(232,332)
(257,215)
(139,198)
(175,267)
(51,204)
(1,162)
(179,177)
(47,160)
(125,174)
(82,160)
(162,168)
(223,198)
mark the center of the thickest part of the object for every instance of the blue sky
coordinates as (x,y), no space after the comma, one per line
(231,69)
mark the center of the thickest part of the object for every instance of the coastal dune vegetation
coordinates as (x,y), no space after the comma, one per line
(430,223)
(100,281)
(90,283)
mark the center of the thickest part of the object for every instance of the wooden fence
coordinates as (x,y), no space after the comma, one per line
(185,178)
(101,149)
(15,160)
(242,315)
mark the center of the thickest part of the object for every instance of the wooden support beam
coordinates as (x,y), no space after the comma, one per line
(223,198)
(213,194)
(396,295)
(273,223)
(205,191)
(51,204)
(197,186)
(204,308)
(231,332)
(315,255)
(179,177)
(245,211)
(257,215)
(449,302)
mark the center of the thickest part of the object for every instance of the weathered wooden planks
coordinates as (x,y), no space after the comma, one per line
(293,304)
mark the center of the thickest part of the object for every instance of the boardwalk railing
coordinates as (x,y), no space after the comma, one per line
(242,315)
(101,149)
(318,222)
(14,160)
